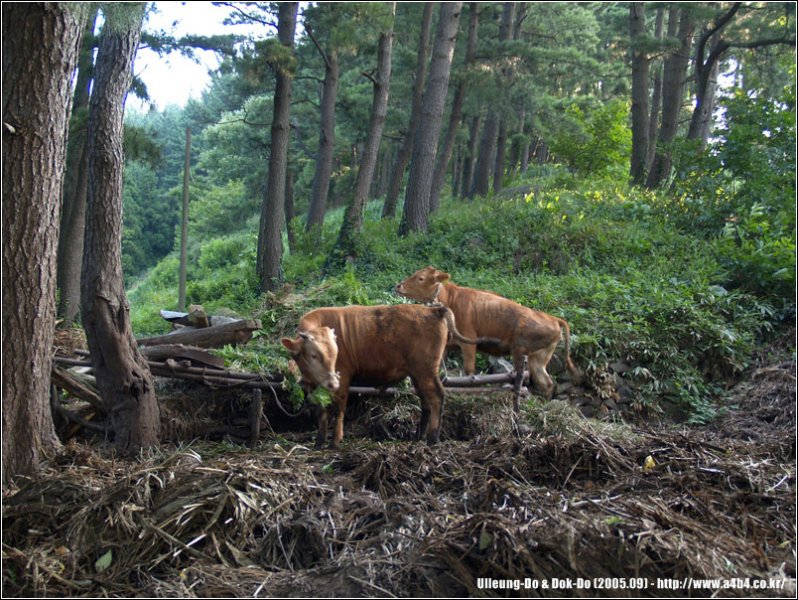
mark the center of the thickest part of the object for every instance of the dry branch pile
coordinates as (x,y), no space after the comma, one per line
(570,500)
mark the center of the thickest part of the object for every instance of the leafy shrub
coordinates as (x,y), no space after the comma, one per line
(592,143)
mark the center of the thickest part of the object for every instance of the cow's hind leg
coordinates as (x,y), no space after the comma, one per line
(537,370)
(519,364)
(432,396)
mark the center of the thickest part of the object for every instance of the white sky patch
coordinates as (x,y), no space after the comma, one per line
(173,79)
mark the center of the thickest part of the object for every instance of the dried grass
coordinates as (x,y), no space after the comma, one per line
(568,499)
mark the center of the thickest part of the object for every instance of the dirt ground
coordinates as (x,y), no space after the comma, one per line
(553,505)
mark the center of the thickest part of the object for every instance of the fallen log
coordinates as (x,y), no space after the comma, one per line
(478,380)
(64,380)
(236,332)
(392,391)
(179,351)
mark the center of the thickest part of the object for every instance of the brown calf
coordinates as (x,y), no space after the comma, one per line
(524,333)
(375,345)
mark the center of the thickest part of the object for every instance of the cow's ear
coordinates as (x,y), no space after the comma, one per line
(441,276)
(293,346)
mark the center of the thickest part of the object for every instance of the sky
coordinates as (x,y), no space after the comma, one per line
(173,79)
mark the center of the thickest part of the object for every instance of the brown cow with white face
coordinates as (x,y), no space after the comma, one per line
(375,345)
(523,332)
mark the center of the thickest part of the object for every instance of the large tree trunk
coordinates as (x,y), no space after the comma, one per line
(272,216)
(672,97)
(353,219)
(640,111)
(485,156)
(73,213)
(506,29)
(40,52)
(123,377)
(422,165)
(406,151)
(445,155)
(324,157)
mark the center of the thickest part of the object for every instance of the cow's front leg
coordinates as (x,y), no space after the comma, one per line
(321,425)
(339,403)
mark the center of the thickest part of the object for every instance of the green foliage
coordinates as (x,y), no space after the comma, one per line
(594,142)
(149,219)
(741,191)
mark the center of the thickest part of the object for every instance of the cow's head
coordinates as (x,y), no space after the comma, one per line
(315,353)
(423,285)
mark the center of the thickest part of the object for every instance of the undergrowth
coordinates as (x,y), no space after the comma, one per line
(632,285)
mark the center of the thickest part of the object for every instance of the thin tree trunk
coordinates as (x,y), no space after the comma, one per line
(123,377)
(487,157)
(73,214)
(40,52)
(672,97)
(467,185)
(656,95)
(445,155)
(181,289)
(501,149)
(290,211)
(272,217)
(419,185)
(406,151)
(640,110)
(353,219)
(706,75)
(324,157)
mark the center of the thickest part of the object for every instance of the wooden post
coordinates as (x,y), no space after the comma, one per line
(181,294)
(254,415)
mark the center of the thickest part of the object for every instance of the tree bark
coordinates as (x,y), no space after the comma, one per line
(506,32)
(469,160)
(40,52)
(324,157)
(705,70)
(656,94)
(487,157)
(419,185)
(672,96)
(406,151)
(73,212)
(181,290)
(353,219)
(272,217)
(640,109)
(445,155)
(123,378)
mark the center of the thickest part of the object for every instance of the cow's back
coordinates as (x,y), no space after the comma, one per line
(383,344)
(484,314)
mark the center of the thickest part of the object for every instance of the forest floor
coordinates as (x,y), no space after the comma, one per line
(573,507)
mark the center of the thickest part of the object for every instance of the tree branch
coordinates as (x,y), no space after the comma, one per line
(309,29)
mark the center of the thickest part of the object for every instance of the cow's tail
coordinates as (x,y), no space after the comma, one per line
(576,373)
(482,342)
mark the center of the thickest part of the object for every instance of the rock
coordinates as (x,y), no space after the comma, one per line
(620,367)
